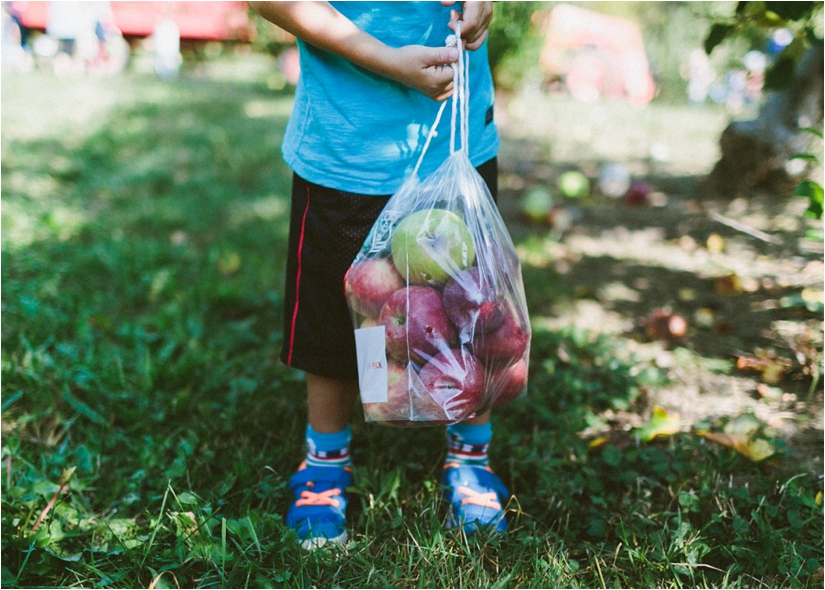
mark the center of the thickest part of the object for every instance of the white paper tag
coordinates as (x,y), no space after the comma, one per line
(372,363)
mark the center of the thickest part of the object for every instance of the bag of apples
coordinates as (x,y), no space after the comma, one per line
(437,300)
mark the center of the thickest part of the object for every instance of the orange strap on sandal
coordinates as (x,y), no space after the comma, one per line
(486,500)
(319,498)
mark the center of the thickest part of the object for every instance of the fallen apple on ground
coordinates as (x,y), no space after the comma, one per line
(574,185)
(537,204)
(638,193)
(663,323)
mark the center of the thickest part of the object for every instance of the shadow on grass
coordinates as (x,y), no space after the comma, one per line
(142,278)
(141,290)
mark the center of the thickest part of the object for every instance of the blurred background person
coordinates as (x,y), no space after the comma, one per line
(16,55)
(168,59)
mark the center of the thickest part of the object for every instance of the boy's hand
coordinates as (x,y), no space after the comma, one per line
(475,20)
(425,69)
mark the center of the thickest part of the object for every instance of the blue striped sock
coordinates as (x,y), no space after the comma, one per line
(328,450)
(467,444)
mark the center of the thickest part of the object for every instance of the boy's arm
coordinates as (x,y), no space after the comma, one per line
(425,69)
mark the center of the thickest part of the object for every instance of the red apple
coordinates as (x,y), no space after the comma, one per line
(407,400)
(472,304)
(507,384)
(503,345)
(455,380)
(663,323)
(369,284)
(638,193)
(416,325)
(397,406)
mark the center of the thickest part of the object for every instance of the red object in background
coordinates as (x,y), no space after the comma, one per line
(196,20)
(596,55)
(638,193)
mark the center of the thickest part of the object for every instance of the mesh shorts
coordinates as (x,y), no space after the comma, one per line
(326,230)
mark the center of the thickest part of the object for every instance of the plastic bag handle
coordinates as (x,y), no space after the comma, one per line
(461,94)
(430,136)
(460,101)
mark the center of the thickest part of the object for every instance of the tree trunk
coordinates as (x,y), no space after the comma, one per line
(755,154)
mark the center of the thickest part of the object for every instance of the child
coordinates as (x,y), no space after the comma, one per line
(371,76)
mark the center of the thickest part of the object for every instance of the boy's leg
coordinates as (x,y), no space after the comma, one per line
(327,229)
(330,403)
(475,494)
(318,513)
(479,420)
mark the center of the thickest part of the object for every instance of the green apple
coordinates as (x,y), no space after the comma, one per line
(431,245)
(537,204)
(574,185)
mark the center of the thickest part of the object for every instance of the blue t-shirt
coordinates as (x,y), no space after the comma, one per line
(356,131)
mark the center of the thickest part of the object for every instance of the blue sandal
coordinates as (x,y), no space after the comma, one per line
(476,495)
(318,513)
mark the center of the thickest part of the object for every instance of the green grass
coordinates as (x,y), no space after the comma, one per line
(143,252)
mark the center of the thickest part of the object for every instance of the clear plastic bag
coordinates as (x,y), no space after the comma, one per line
(437,301)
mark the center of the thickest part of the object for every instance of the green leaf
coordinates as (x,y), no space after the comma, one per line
(770,19)
(755,449)
(596,527)
(8,579)
(759,449)
(794,518)
(688,500)
(740,525)
(67,475)
(10,399)
(812,38)
(611,455)
(817,132)
(791,10)
(743,424)
(661,423)
(808,157)
(83,408)
(718,32)
(188,499)
(812,191)
(781,74)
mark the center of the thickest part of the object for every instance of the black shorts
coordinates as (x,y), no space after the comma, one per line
(326,230)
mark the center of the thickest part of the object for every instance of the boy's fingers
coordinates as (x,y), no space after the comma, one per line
(475,21)
(440,82)
(476,43)
(443,55)
(442,76)
(446,93)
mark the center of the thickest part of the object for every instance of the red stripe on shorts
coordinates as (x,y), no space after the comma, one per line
(297,282)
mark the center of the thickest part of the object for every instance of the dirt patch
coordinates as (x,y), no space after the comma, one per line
(744,273)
